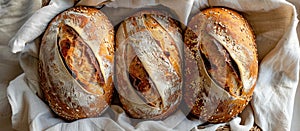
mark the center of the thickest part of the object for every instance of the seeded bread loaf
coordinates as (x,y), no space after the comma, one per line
(221,64)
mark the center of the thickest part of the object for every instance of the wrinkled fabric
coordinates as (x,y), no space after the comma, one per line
(36,25)
(13,14)
(274,24)
(296,112)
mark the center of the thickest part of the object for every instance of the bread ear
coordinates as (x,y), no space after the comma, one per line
(221,64)
(76,63)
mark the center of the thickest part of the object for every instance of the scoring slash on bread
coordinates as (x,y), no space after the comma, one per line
(221,64)
(148,65)
(76,63)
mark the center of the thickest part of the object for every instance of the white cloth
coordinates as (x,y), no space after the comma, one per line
(274,23)
(13,14)
(36,25)
(296,112)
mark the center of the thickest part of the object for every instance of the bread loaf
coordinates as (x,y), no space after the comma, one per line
(76,63)
(221,66)
(148,65)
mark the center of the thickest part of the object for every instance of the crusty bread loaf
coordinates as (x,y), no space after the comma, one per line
(148,65)
(76,63)
(221,64)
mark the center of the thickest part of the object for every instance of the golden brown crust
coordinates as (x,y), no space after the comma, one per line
(220,46)
(148,65)
(76,57)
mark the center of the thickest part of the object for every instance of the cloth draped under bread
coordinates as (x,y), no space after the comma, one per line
(274,23)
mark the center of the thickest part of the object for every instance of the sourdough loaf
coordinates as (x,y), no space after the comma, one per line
(148,65)
(76,63)
(221,64)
